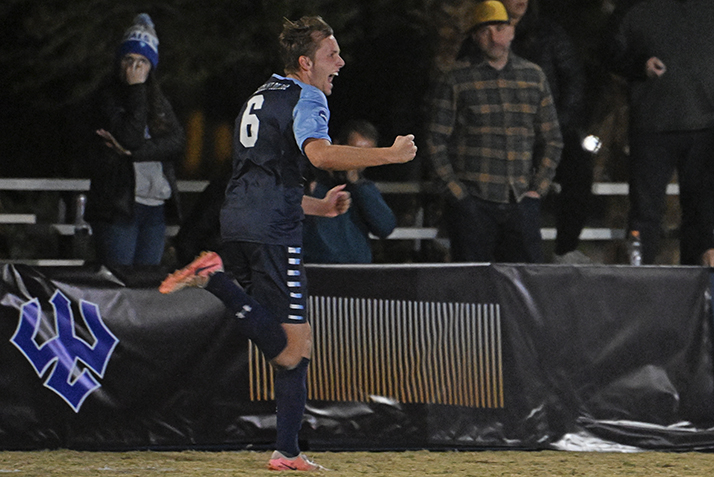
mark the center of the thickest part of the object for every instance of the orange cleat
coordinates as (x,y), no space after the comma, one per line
(279,462)
(195,274)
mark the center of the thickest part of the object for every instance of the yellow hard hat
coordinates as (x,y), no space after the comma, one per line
(489,12)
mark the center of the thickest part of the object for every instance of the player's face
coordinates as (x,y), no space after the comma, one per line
(495,41)
(516,8)
(326,65)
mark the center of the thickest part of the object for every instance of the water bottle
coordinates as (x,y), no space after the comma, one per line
(634,248)
(80,225)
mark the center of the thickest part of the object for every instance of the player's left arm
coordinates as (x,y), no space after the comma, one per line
(336,202)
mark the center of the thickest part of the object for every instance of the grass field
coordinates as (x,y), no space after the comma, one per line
(352,464)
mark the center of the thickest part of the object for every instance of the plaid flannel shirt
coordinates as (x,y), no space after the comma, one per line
(494,134)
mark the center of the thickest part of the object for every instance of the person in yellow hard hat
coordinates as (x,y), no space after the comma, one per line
(495,142)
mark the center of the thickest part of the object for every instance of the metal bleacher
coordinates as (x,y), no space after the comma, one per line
(414,232)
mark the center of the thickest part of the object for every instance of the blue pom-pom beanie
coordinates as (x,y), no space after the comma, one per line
(141,38)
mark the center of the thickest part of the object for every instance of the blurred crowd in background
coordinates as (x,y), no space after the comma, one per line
(216,53)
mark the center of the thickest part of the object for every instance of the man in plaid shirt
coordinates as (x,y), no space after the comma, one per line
(495,142)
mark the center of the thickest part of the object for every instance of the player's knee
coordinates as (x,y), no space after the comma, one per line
(286,360)
(299,346)
(292,355)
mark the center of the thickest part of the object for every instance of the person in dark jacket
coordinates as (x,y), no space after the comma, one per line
(345,238)
(546,43)
(201,226)
(133,183)
(664,49)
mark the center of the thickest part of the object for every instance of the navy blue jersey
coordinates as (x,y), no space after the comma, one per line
(264,196)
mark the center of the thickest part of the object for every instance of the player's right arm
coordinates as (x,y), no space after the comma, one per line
(325,155)
(310,125)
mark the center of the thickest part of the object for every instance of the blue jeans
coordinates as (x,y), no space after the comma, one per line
(138,240)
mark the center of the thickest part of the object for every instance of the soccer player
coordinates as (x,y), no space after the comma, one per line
(281,126)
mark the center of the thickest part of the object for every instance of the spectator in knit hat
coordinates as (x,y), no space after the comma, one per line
(139,138)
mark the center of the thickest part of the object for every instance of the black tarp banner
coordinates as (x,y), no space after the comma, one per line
(406,356)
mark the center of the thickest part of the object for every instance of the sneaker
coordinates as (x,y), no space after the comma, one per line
(195,274)
(279,462)
(576,257)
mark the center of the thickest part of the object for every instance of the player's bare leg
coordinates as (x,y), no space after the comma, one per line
(299,345)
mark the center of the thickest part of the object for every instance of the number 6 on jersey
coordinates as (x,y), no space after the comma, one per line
(250,123)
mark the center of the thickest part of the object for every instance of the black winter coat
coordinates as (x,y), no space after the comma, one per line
(123,110)
(547,44)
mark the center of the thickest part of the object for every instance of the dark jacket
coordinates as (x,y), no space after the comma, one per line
(680,34)
(124,111)
(547,44)
(345,238)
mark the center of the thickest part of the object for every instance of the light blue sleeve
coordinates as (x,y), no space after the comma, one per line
(311,116)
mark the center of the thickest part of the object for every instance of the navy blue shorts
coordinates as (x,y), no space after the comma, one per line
(272,274)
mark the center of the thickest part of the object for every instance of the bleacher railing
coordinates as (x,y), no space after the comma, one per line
(415,232)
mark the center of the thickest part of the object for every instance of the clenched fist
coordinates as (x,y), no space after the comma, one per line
(403,149)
